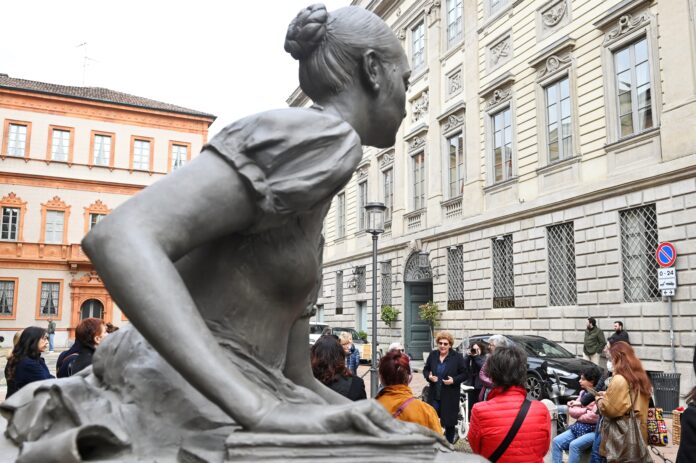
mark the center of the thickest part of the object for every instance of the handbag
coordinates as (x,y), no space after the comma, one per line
(580,429)
(657,427)
(622,439)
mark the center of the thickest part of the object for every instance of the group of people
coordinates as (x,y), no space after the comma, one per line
(595,344)
(26,365)
(502,424)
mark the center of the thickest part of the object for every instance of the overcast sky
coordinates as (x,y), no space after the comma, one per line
(223,57)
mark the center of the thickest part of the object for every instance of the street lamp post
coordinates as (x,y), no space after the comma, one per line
(375,226)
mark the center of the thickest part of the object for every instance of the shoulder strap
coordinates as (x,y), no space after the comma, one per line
(512,432)
(401,408)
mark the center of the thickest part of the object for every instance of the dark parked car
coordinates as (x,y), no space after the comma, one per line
(545,360)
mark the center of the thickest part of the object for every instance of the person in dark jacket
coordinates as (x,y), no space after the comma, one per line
(352,352)
(66,358)
(11,387)
(26,364)
(474,361)
(329,367)
(90,333)
(593,342)
(619,334)
(687,447)
(445,371)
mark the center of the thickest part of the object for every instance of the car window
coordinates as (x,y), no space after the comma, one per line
(316,329)
(544,348)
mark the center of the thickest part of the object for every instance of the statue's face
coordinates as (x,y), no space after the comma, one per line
(390,107)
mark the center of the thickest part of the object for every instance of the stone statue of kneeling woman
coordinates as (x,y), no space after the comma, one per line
(217,266)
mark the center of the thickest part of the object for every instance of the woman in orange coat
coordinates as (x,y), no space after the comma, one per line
(398,398)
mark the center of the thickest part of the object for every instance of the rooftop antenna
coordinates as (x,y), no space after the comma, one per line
(85,62)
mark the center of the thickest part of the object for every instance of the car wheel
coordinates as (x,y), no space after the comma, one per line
(534,386)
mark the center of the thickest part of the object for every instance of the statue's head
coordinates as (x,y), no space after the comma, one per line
(352,48)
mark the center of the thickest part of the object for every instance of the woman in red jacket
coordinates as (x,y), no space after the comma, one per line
(491,420)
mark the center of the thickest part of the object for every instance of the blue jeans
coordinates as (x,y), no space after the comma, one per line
(575,447)
(50,341)
(596,457)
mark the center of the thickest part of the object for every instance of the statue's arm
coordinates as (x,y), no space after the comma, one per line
(134,250)
(297,363)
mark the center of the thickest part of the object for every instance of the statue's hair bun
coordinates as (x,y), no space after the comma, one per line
(306,31)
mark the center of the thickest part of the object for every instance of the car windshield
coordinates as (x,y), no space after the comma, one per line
(544,348)
(316,329)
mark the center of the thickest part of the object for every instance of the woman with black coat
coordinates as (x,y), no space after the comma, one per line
(445,371)
(474,361)
(329,367)
(90,333)
(26,364)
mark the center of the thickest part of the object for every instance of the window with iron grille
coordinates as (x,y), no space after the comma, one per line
(638,247)
(561,256)
(388,183)
(362,201)
(341,215)
(455,278)
(50,297)
(454,22)
(339,293)
(10,223)
(503,272)
(386,283)
(418,46)
(418,163)
(360,283)
(7,293)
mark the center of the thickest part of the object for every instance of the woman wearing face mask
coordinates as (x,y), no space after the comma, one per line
(445,370)
(497,340)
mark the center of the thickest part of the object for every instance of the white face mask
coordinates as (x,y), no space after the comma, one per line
(609,365)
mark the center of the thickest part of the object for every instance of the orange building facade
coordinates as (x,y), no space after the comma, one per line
(68,157)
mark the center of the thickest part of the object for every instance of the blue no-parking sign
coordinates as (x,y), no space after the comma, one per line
(666,254)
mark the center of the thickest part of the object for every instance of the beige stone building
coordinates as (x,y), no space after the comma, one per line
(68,156)
(548,149)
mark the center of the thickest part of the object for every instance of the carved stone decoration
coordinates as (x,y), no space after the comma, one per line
(554,15)
(12,199)
(362,171)
(432,9)
(57,203)
(401,34)
(500,52)
(454,83)
(553,64)
(452,123)
(416,143)
(499,96)
(419,107)
(627,23)
(387,159)
(413,273)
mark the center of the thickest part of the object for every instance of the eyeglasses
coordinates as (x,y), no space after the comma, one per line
(443,343)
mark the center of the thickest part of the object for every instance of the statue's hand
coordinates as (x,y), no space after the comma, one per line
(365,416)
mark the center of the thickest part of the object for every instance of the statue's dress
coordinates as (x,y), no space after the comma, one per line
(250,288)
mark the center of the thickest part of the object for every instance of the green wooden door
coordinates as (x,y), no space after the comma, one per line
(417,334)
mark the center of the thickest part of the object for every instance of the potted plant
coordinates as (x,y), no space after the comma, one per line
(430,313)
(363,335)
(389,314)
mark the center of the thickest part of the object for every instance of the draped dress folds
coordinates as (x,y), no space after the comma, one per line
(293,162)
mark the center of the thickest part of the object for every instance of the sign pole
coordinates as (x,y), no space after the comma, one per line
(666,256)
(671,333)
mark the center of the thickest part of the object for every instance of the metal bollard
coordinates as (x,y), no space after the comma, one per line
(553,411)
